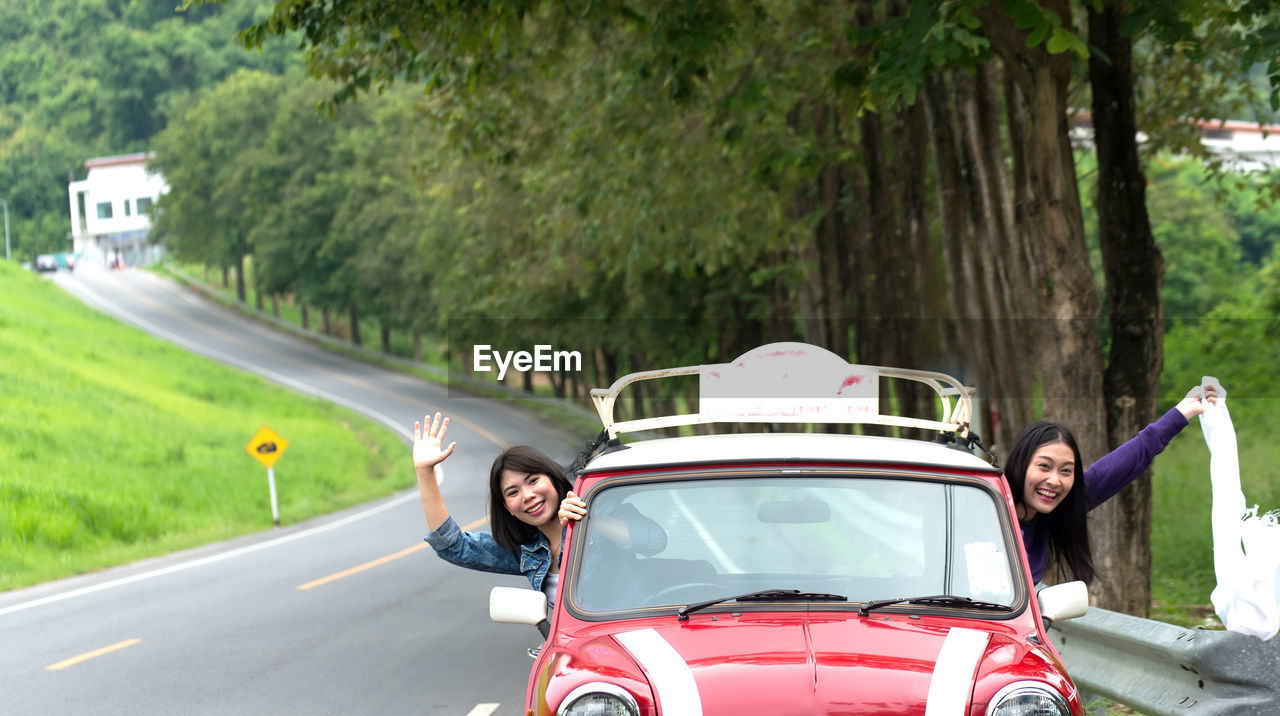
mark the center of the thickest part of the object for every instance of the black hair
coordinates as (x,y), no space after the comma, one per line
(1067,525)
(508,531)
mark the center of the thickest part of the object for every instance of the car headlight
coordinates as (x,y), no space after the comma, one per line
(1028,698)
(599,699)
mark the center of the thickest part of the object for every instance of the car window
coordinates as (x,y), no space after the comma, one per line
(863,537)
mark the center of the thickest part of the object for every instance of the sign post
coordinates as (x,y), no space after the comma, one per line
(266,447)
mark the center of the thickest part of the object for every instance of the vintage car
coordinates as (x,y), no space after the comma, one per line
(802,572)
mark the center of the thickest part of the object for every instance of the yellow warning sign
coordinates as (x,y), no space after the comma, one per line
(266,446)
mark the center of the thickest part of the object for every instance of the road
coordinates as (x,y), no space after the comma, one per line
(345,614)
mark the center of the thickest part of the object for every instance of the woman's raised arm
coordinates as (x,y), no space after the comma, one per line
(427,453)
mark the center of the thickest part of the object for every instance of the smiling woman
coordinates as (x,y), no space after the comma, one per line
(526,491)
(1052,503)
(530,503)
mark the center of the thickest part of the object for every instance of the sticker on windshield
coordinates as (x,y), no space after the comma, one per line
(988,570)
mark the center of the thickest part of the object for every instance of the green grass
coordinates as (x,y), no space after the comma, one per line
(117,446)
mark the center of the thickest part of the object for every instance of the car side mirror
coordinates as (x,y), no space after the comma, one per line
(509,605)
(1063,601)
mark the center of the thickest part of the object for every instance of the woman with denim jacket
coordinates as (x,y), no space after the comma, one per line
(530,502)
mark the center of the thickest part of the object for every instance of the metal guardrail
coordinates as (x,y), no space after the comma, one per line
(1160,668)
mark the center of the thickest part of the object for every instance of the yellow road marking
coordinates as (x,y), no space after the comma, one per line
(379,561)
(336,376)
(91,654)
(362,567)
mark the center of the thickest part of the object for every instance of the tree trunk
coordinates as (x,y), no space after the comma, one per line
(990,302)
(354,314)
(823,293)
(1069,357)
(240,290)
(326,325)
(385,339)
(607,365)
(916,341)
(275,305)
(1134,269)
(306,322)
(576,388)
(1008,259)
(869,236)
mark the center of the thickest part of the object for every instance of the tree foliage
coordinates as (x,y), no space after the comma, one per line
(691,180)
(83,79)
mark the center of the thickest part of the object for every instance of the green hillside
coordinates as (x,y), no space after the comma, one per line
(90,78)
(117,446)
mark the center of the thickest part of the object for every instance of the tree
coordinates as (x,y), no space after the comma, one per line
(564,119)
(93,78)
(1134,270)
(209,158)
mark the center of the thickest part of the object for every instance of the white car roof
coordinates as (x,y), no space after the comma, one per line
(762,447)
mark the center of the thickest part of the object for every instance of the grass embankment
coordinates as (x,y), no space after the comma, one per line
(118,446)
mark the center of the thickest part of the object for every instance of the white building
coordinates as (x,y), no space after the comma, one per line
(1244,145)
(111,210)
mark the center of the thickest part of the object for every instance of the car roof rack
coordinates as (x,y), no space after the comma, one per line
(792,383)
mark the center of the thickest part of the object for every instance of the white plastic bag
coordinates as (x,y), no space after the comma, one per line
(1246,545)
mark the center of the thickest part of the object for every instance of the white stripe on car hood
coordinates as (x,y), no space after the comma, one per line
(667,670)
(953,673)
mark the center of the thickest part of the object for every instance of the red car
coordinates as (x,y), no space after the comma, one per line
(802,573)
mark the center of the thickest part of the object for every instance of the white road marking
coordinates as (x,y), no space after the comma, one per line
(212,558)
(483,710)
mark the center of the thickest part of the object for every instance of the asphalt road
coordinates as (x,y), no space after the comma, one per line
(346,614)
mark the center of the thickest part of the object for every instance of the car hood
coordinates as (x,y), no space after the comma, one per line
(811,663)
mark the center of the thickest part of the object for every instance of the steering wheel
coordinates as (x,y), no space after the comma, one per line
(665,592)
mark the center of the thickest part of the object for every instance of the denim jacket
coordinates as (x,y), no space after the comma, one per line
(480,551)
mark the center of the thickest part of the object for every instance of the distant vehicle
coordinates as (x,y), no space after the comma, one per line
(67,261)
(46,262)
(803,572)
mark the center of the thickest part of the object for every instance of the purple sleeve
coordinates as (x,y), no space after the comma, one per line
(1123,465)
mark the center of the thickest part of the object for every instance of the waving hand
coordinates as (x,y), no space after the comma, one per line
(427,450)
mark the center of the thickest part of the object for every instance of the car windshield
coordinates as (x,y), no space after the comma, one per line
(863,538)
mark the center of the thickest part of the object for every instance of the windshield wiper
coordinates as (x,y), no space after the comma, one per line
(765,595)
(937,600)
